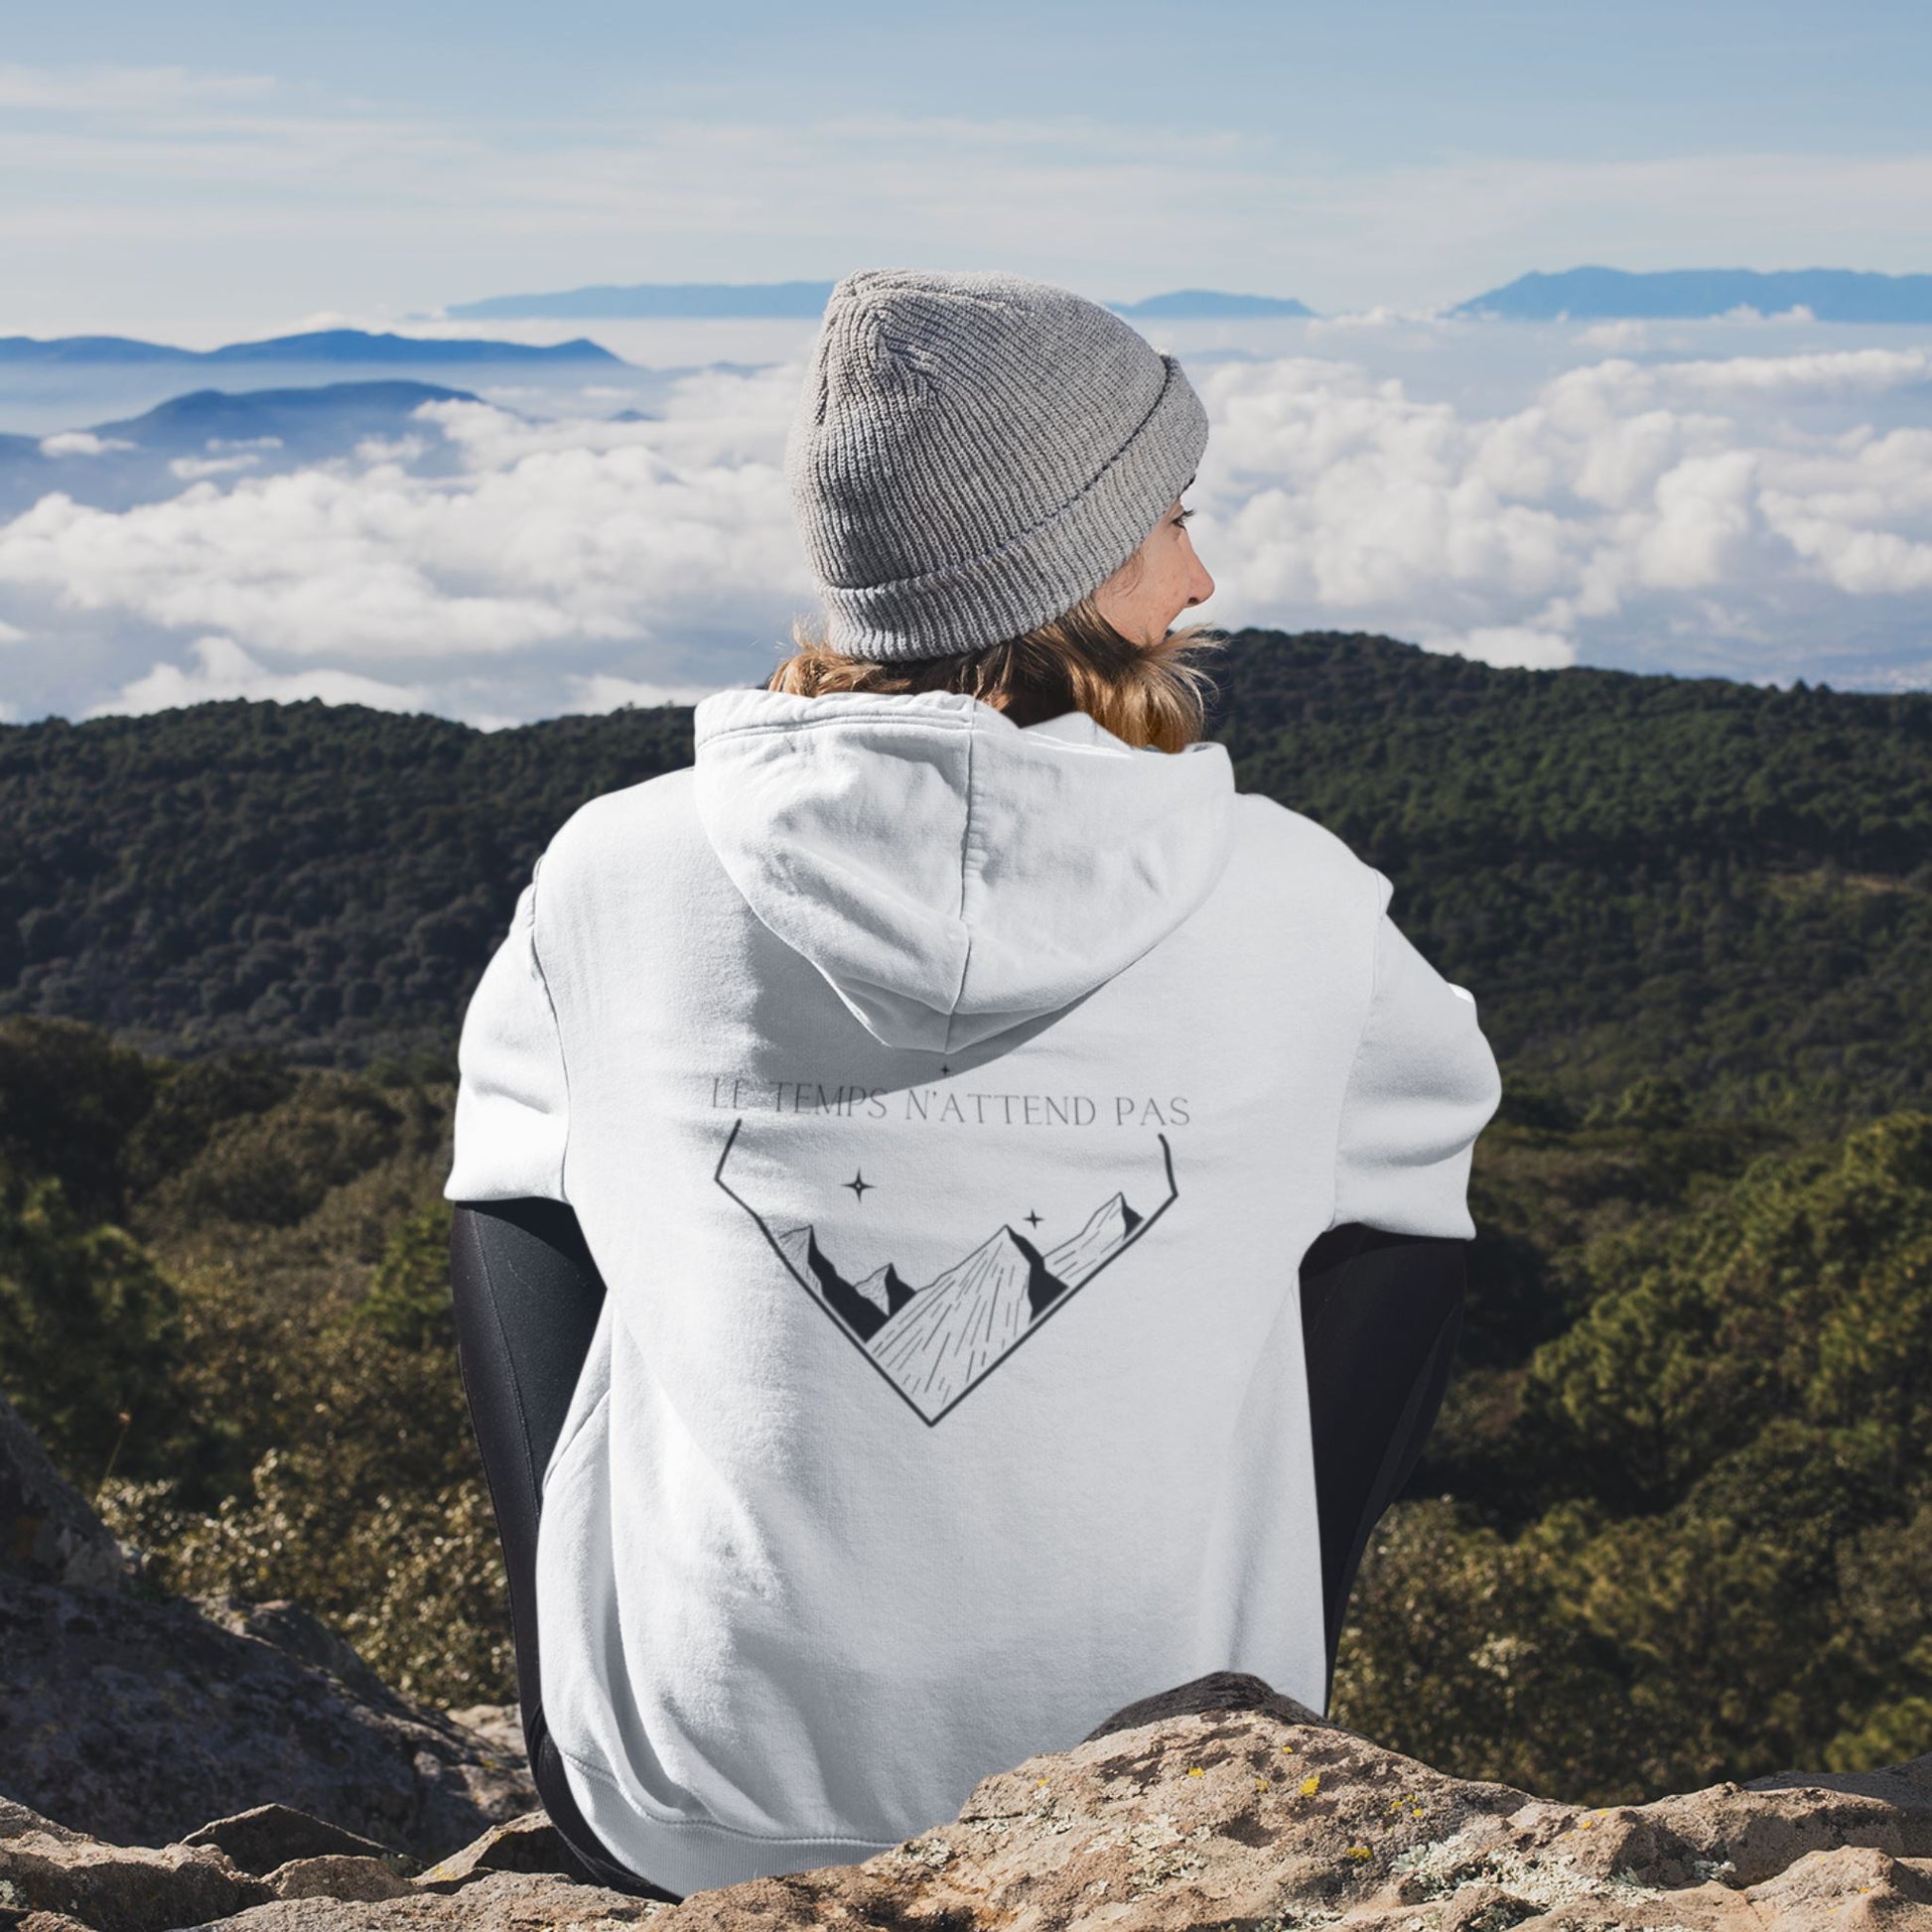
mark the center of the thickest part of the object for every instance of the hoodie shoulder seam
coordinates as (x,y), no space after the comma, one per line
(966,849)
(1378,911)
(557,1029)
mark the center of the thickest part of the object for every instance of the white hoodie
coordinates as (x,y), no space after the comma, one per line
(887,1038)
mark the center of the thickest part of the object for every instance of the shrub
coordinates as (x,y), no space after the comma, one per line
(90,1337)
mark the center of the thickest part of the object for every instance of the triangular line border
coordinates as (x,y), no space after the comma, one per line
(1033,1327)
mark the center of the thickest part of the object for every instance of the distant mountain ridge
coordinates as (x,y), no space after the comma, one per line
(1579,294)
(322,345)
(1699,294)
(654,301)
(1207,305)
(206,433)
(801,302)
(184,421)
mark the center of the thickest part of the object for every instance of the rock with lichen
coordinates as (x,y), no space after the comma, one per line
(1219,1803)
(1228,1806)
(1247,1817)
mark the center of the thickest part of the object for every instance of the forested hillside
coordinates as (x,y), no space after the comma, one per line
(328,881)
(1636,876)
(1675,1523)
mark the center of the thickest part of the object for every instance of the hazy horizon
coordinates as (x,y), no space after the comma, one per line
(233,165)
(1745,497)
(1741,498)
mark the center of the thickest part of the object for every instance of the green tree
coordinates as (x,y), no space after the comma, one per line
(408,1302)
(1461,1649)
(70,1098)
(276,1168)
(90,1337)
(1726,1458)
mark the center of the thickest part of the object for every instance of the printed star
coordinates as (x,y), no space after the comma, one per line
(1033,1221)
(859,1186)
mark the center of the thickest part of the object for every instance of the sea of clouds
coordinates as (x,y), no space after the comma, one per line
(1752,500)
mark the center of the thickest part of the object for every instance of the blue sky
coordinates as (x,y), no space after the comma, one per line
(1373,81)
(1748,496)
(186,168)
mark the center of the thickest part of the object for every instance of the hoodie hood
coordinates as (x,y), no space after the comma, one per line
(954,874)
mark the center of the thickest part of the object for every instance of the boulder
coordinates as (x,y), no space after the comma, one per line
(1219,1803)
(1234,1814)
(359,1880)
(299,1633)
(138,1716)
(1230,1807)
(1218,1691)
(17,1820)
(121,1889)
(138,1719)
(501,1901)
(268,1836)
(528,1843)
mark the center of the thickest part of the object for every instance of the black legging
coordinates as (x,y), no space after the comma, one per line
(1380,1314)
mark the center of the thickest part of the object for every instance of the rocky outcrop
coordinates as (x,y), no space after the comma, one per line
(1252,1818)
(1220,1805)
(271,1836)
(139,1717)
(497,1902)
(336,1806)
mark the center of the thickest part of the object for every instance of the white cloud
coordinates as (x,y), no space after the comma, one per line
(191,469)
(121,90)
(548,532)
(1755,515)
(601,692)
(223,669)
(1857,371)
(1377,321)
(10,634)
(1510,646)
(1616,337)
(1614,511)
(80,442)
(403,450)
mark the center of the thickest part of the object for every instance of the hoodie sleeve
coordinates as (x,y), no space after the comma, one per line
(513,1114)
(1422,1087)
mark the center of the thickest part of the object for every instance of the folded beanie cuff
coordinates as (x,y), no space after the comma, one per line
(1043,572)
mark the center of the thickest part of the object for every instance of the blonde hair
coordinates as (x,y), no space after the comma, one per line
(1152,696)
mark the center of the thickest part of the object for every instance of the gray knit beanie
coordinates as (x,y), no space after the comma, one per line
(975,454)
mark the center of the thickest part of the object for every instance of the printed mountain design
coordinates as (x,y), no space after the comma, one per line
(862,1307)
(936,1342)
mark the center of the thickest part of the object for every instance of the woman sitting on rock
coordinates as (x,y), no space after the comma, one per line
(961,1210)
